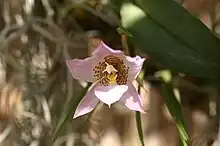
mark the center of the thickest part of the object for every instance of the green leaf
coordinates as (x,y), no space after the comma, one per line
(173,105)
(138,114)
(174,51)
(183,26)
(139,127)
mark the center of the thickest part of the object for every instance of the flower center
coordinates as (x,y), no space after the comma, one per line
(111,71)
(112,78)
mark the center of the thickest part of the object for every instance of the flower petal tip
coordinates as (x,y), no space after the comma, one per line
(78,114)
(75,116)
(104,49)
(143,112)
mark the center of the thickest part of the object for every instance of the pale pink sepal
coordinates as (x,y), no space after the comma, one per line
(103,49)
(135,64)
(87,104)
(82,69)
(132,99)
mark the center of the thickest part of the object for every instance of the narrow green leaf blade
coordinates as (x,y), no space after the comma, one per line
(174,106)
(139,127)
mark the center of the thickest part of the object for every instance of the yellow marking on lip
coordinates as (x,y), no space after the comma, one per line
(112,78)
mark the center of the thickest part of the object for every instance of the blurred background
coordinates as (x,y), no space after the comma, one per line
(38,95)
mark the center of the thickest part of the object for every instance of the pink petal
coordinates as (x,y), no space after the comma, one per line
(135,64)
(104,50)
(110,94)
(87,104)
(132,99)
(82,69)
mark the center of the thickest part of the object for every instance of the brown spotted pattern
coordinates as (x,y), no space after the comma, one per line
(118,64)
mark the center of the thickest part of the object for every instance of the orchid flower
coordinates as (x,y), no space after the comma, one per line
(111,73)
